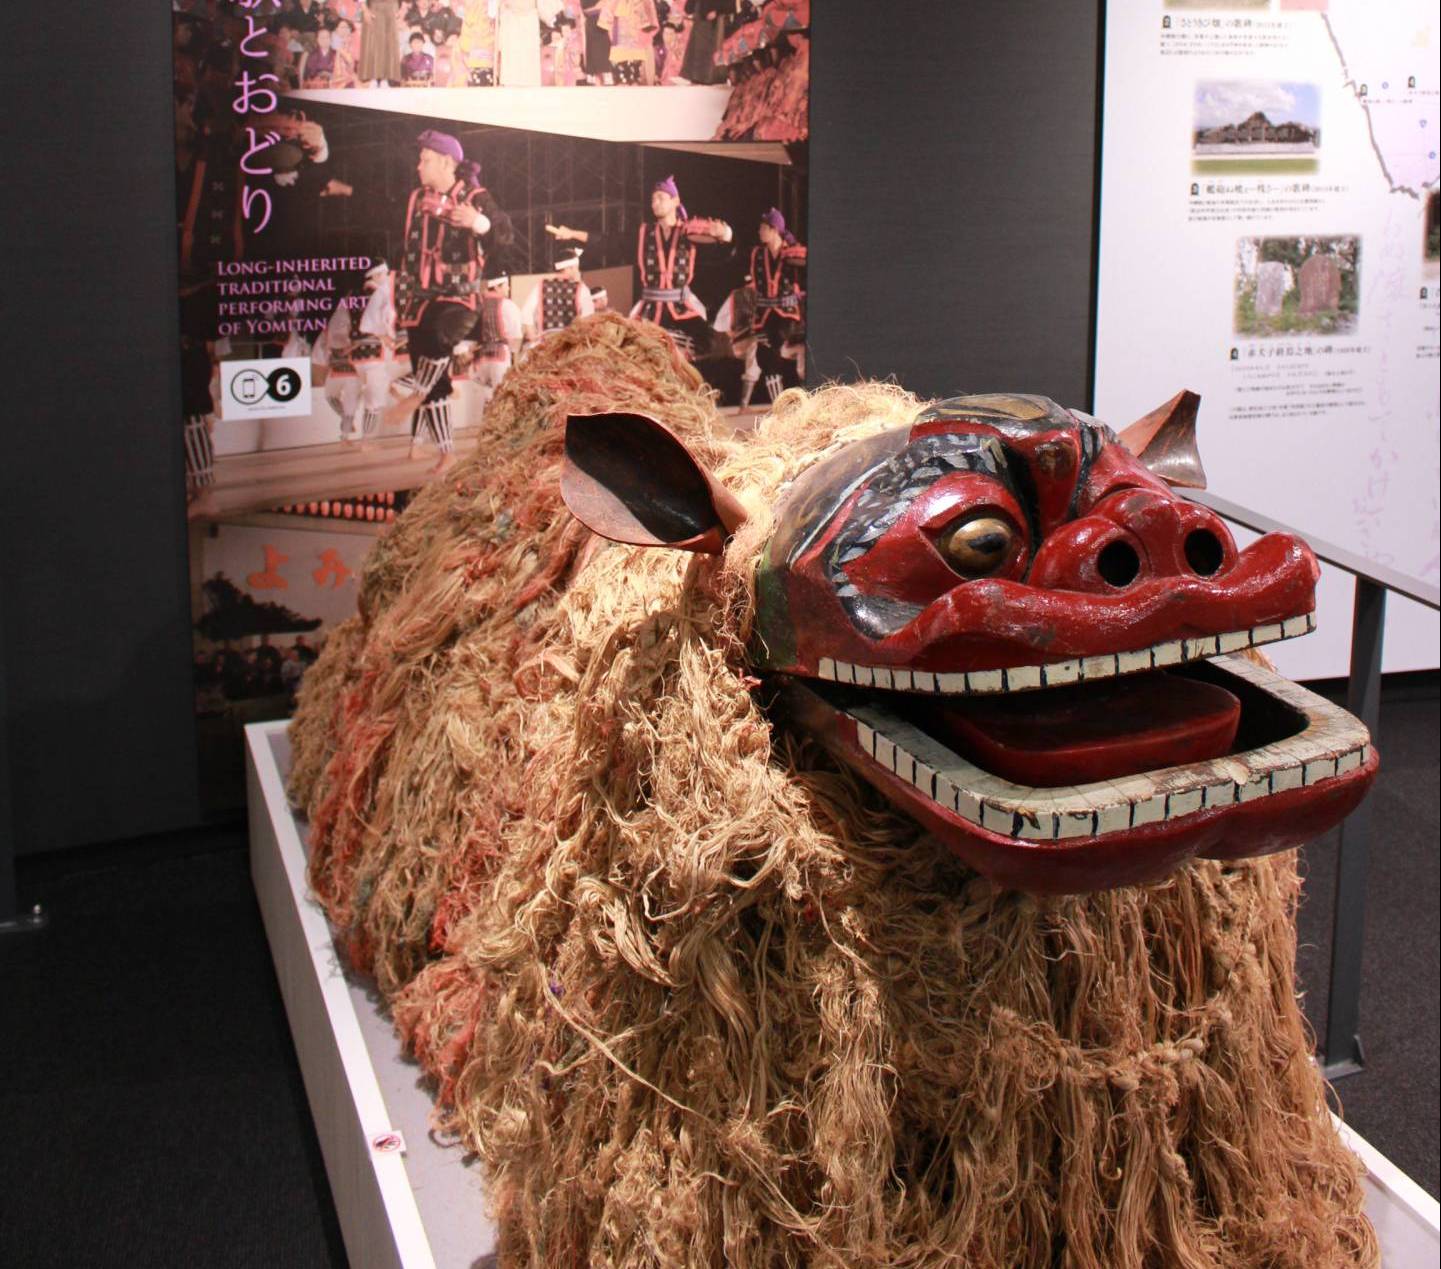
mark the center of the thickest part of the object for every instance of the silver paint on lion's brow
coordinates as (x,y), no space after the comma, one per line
(886,494)
(891,488)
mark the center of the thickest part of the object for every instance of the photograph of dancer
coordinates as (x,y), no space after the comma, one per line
(450,222)
(778,325)
(665,263)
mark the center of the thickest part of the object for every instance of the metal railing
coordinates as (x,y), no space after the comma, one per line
(1341,1044)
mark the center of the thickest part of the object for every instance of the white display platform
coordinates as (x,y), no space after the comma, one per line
(426,1207)
(422,1208)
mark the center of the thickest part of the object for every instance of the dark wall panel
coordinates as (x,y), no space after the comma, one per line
(92,529)
(952,175)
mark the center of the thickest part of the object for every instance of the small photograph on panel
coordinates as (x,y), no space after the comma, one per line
(1255,127)
(1297,286)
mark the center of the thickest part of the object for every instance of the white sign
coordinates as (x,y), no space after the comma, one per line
(1268,188)
(267,389)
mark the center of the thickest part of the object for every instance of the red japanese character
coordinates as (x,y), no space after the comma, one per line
(331,565)
(269,577)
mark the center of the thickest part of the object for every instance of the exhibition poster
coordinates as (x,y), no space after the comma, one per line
(382,205)
(1269,239)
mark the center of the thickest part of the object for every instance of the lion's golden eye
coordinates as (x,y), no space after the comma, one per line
(978,546)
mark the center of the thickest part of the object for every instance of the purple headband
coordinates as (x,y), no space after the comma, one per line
(668,186)
(441,143)
(776,221)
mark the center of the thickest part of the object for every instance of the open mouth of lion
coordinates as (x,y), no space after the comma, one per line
(1101,771)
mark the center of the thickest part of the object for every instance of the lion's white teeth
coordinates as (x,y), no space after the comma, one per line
(1058,673)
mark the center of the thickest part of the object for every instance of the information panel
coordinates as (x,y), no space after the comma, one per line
(1269,238)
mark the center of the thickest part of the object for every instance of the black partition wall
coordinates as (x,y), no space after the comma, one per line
(952,175)
(92,517)
(953,170)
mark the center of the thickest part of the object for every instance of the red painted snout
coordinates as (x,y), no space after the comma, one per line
(996,623)
(1132,537)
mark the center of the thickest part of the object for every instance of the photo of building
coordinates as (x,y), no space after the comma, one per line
(1255,126)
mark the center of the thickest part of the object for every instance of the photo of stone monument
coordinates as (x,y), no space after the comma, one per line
(1296,286)
(1254,126)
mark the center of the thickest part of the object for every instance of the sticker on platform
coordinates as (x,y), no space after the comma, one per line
(391,1142)
(267,389)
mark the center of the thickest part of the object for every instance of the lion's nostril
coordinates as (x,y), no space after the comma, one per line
(1118,563)
(1204,552)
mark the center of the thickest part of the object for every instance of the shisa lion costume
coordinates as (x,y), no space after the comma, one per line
(353,358)
(557,300)
(698,993)
(497,337)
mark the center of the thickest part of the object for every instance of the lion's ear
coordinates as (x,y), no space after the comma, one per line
(1165,441)
(631,479)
